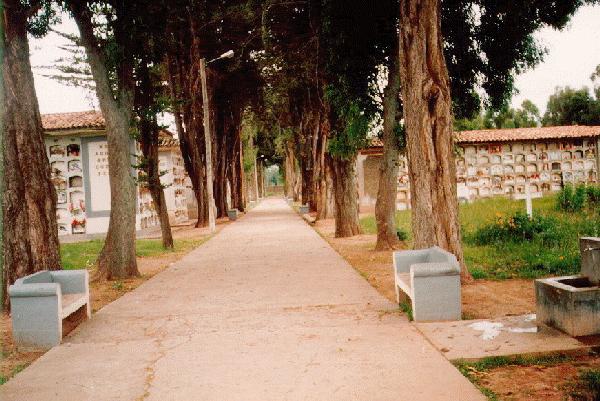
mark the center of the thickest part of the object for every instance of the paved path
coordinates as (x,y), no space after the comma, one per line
(265,310)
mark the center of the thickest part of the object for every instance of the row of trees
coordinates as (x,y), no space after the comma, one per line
(306,82)
(566,106)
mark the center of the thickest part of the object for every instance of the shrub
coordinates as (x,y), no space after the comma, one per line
(575,199)
(588,386)
(401,234)
(593,194)
(519,228)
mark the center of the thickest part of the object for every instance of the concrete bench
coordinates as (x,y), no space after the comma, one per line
(232,214)
(40,302)
(431,279)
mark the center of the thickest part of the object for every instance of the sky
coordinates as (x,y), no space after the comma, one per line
(573,54)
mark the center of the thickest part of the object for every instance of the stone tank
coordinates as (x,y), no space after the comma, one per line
(572,303)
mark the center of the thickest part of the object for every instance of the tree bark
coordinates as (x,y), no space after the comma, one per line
(117,258)
(149,131)
(30,229)
(427,110)
(385,207)
(188,144)
(322,180)
(2,119)
(347,222)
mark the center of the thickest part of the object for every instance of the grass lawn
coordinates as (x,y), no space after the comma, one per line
(84,254)
(524,259)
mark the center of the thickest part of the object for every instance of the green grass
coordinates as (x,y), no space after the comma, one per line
(525,259)
(17,369)
(84,254)
(406,308)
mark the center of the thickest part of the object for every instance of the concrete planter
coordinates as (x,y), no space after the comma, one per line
(568,303)
(232,214)
(572,303)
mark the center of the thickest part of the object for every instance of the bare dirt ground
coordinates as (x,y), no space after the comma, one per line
(482,299)
(101,294)
(538,382)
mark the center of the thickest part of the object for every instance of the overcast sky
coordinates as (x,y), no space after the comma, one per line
(573,55)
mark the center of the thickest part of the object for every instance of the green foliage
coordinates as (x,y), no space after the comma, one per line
(588,386)
(15,370)
(518,228)
(84,254)
(575,199)
(406,308)
(352,133)
(511,259)
(401,234)
(400,134)
(569,106)
(528,115)
(45,16)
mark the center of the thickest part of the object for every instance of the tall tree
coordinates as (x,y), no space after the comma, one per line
(385,206)
(428,118)
(30,233)
(569,106)
(357,40)
(528,115)
(117,258)
(146,109)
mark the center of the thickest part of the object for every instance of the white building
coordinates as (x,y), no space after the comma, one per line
(77,150)
(500,162)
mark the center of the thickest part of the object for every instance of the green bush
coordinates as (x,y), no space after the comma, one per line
(401,234)
(587,387)
(575,199)
(519,228)
(593,194)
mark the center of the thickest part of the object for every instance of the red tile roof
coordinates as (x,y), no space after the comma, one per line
(527,134)
(517,134)
(93,119)
(82,119)
(166,142)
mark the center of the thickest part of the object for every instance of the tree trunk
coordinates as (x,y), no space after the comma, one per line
(322,180)
(385,207)
(30,228)
(117,258)
(180,86)
(345,193)
(158,197)
(149,131)
(2,127)
(427,110)
(238,182)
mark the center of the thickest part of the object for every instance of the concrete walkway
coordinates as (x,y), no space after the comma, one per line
(265,310)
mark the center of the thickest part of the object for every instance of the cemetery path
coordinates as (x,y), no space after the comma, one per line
(265,310)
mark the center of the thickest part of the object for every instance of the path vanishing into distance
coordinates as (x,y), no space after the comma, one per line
(265,310)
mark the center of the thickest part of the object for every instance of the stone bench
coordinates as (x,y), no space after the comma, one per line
(431,279)
(40,302)
(232,214)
